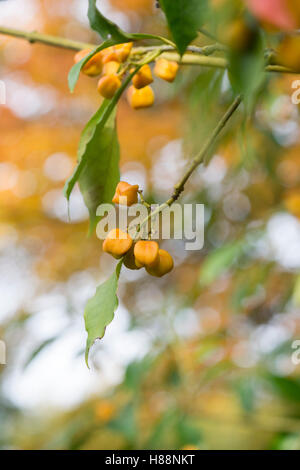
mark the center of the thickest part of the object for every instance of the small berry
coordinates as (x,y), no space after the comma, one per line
(122,51)
(94,66)
(108,85)
(126,194)
(117,243)
(146,253)
(163,266)
(143,77)
(166,69)
(129,260)
(111,68)
(142,98)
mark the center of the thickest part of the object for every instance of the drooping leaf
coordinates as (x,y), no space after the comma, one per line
(184,17)
(103,26)
(99,178)
(246,71)
(90,154)
(99,310)
(219,261)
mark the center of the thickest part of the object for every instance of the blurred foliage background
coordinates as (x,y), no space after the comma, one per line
(201,358)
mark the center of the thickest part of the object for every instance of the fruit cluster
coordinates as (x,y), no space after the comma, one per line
(112,63)
(143,253)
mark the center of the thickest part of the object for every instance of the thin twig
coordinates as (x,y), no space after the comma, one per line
(202,156)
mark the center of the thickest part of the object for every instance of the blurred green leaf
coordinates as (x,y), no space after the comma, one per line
(39,349)
(296,292)
(220,260)
(125,422)
(184,19)
(99,310)
(246,72)
(288,387)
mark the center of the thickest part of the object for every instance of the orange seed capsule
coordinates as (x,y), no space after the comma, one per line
(108,85)
(122,51)
(146,253)
(117,243)
(126,194)
(142,98)
(166,69)
(109,54)
(94,66)
(129,260)
(163,266)
(110,68)
(143,77)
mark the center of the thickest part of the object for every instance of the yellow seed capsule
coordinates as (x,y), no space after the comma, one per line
(111,68)
(166,69)
(109,54)
(94,66)
(126,194)
(163,266)
(117,243)
(143,77)
(122,51)
(142,98)
(146,253)
(108,85)
(129,260)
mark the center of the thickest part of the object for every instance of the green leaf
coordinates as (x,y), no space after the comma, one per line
(219,261)
(184,19)
(106,28)
(99,310)
(110,31)
(99,178)
(93,140)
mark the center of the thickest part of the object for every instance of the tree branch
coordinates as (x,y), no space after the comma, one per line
(202,156)
(194,56)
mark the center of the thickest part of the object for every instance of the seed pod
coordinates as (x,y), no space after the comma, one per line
(129,260)
(94,66)
(163,266)
(146,253)
(143,77)
(117,243)
(166,69)
(142,98)
(111,68)
(108,85)
(126,194)
(122,51)
(109,55)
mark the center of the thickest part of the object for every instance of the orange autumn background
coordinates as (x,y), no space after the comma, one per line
(202,358)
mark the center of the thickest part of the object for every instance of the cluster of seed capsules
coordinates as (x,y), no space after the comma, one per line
(111,63)
(143,253)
